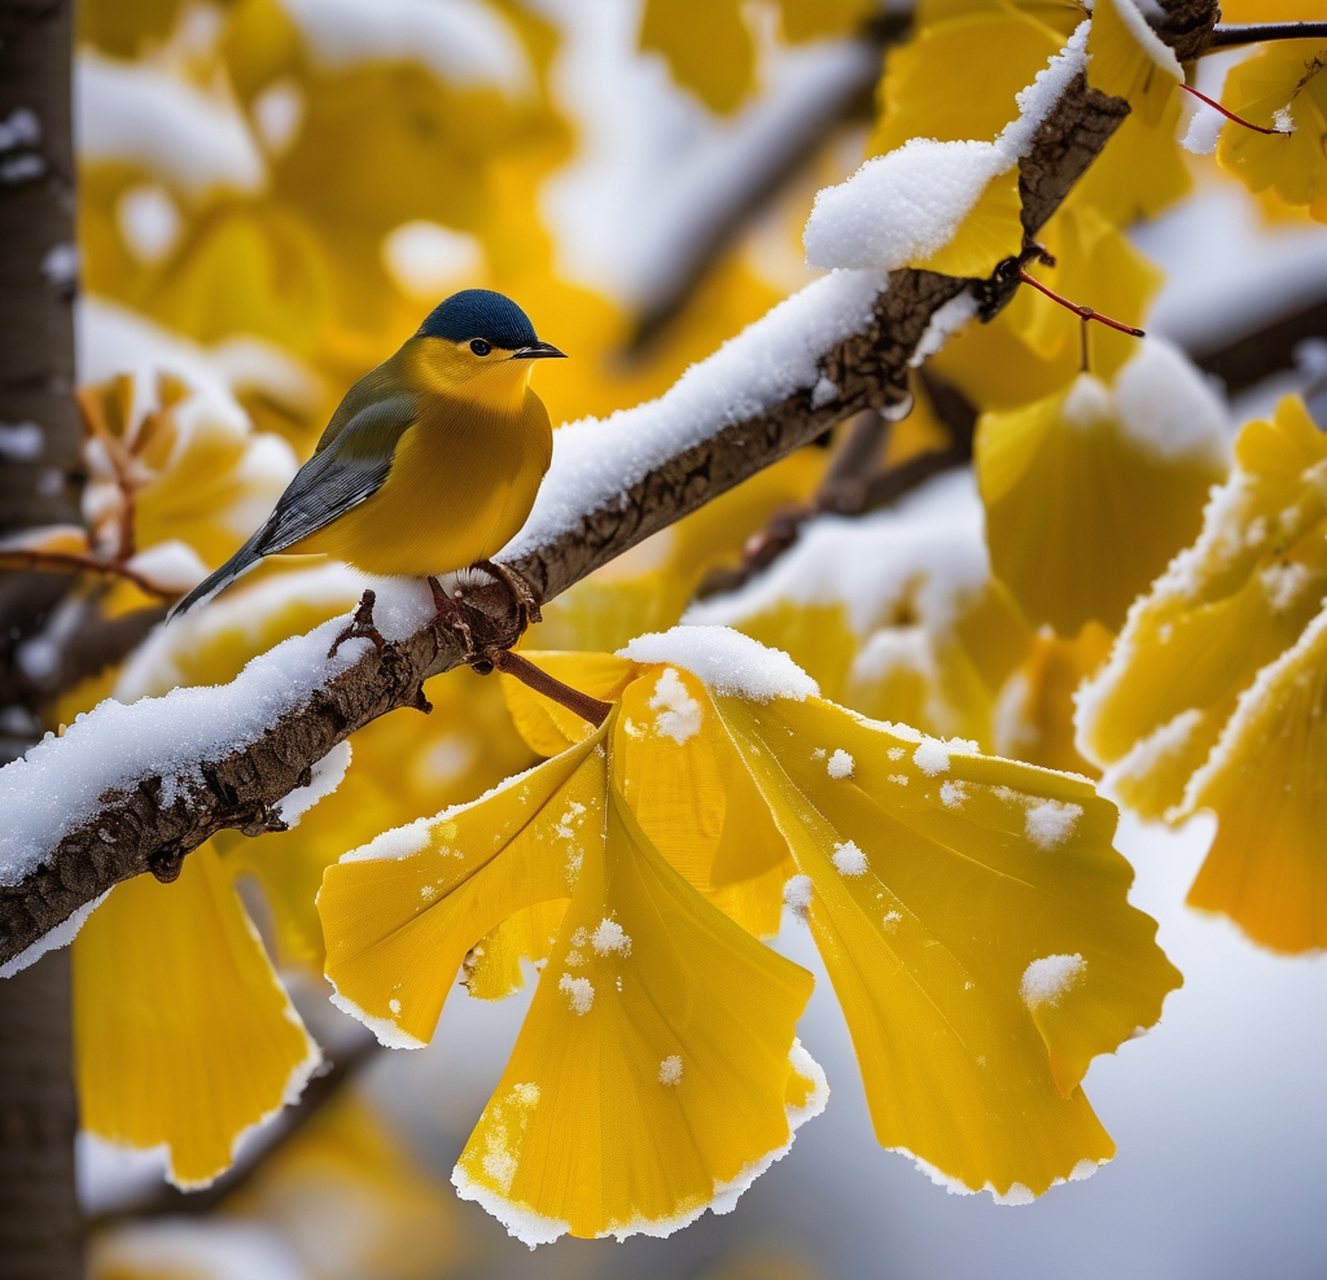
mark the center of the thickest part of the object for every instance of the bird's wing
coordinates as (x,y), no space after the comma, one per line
(346,470)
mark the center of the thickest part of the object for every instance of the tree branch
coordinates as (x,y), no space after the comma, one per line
(153,823)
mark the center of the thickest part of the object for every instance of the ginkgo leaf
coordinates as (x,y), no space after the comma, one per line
(707,45)
(1226,607)
(183,1036)
(657,1072)
(1129,60)
(970,910)
(1034,718)
(1089,492)
(921,96)
(1281,87)
(1033,348)
(1264,780)
(991,232)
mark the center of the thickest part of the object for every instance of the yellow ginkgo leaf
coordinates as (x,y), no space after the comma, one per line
(929,91)
(815,19)
(183,1037)
(707,45)
(657,1072)
(1034,718)
(1264,780)
(1129,60)
(1226,607)
(1281,87)
(1034,346)
(1089,492)
(971,912)
(991,231)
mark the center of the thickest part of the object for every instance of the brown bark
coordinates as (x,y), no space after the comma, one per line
(40,1235)
(135,832)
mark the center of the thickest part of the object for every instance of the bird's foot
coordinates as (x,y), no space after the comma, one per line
(522,593)
(446,609)
(361,625)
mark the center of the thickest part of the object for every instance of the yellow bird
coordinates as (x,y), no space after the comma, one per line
(432,461)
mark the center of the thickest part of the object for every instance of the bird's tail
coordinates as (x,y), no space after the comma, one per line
(236,567)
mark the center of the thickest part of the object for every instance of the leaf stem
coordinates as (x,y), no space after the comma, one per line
(1230,115)
(511,664)
(1084,313)
(1229,35)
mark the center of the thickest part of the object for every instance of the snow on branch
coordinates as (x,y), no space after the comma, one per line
(134,789)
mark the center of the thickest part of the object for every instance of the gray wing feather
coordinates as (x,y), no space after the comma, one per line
(353,460)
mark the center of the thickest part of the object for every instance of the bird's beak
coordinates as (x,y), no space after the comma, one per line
(539,351)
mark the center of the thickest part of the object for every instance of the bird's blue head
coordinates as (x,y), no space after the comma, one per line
(481,315)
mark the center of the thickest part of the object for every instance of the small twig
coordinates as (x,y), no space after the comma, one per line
(1085,313)
(591,710)
(72,562)
(1230,115)
(1230,35)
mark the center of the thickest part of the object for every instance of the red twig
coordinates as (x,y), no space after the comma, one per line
(589,709)
(1230,115)
(1083,313)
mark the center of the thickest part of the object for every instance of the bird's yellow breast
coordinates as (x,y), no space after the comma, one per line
(463,479)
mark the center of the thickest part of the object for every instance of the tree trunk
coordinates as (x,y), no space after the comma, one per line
(39,436)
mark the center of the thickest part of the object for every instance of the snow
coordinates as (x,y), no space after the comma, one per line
(840,764)
(726,662)
(1046,980)
(1148,753)
(797,895)
(21,442)
(463,42)
(608,938)
(679,715)
(278,113)
(849,860)
(530,1228)
(111,340)
(60,784)
(203,1249)
(947,321)
(953,794)
(1131,14)
(140,114)
(670,1070)
(390,1036)
(596,461)
(326,776)
(907,204)
(1204,129)
(656,174)
(21,129)
(1169,408)
(932,757)
(427,261)
(927,551)
(171,566)
(1050,823)
(61,936)
(579,993)
(149,222)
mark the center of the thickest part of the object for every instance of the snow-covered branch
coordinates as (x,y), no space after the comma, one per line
(134,788)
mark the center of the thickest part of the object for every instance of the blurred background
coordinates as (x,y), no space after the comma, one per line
(271,195)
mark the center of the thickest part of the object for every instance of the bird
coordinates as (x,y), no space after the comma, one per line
(431,462)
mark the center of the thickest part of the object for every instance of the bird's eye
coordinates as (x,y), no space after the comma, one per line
(480,347)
